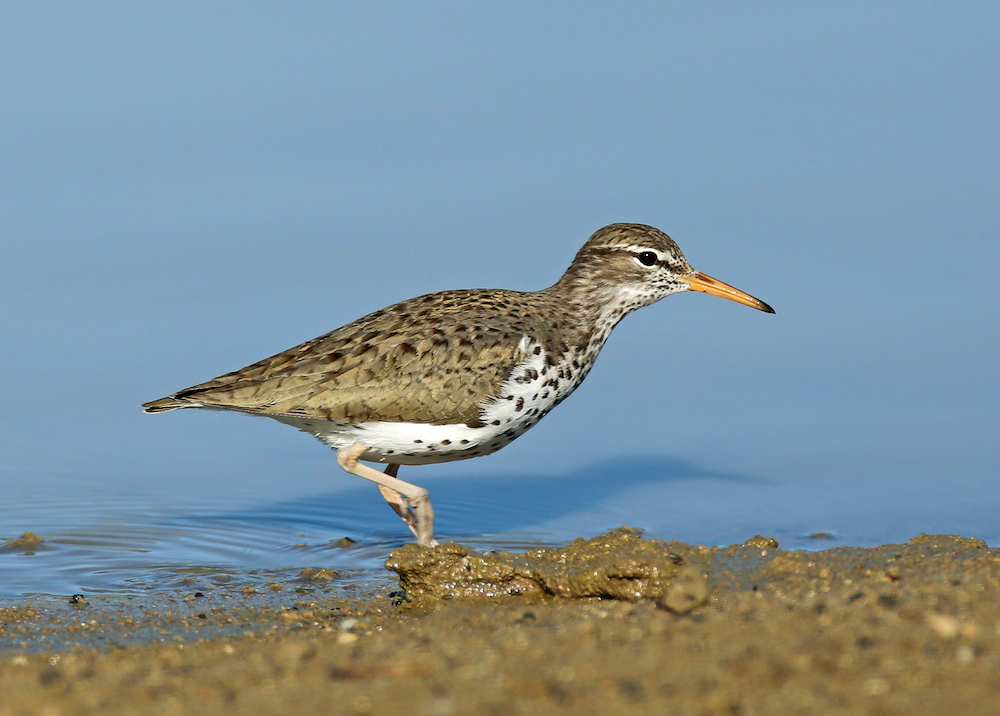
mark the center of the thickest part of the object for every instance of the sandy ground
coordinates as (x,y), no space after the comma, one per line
(617,624)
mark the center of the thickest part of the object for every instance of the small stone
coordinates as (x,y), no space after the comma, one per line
(945,626)
(566,674)
(965,655)
(761,542)
(688,591)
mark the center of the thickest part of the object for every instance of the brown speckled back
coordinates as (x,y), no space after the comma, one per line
(437,358)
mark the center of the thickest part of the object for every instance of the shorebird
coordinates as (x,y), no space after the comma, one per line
(456,374)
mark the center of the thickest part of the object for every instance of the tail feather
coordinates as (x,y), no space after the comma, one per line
(164,404)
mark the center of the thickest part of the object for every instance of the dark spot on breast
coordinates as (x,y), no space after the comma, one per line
(464,442)
(475,423)
(389,452)
(538,350)
(545,395)
(495,422)
(418,441)
(446,442)
(520,404)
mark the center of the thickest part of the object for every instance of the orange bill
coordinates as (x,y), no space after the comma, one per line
(697,281)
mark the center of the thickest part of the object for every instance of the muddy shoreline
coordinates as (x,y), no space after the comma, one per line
(616,624)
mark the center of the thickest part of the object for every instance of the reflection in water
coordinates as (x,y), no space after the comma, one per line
(122,544)
(126,544)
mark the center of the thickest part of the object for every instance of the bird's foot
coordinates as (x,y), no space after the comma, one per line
(410,502)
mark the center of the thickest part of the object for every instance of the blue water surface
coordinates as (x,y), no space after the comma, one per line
(187,189)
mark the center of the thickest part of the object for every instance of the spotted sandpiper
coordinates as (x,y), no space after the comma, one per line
(456,374)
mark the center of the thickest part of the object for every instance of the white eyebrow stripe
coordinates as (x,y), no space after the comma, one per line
(639,249)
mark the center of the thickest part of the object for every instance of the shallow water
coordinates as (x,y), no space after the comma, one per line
(103,541)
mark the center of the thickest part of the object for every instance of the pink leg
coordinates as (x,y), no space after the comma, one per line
(415,498)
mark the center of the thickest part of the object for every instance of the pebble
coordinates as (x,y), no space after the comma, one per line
(688,591)
(945,626)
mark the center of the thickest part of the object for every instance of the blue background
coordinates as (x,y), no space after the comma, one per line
(188,188)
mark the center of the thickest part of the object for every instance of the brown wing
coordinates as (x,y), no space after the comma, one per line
(428,359)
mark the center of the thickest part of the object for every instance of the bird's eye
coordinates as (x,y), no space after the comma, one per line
(647,258)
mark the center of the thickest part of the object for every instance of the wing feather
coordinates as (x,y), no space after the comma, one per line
(428,359)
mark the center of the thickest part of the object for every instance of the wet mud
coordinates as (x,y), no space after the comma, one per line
(615,624)
(26,544)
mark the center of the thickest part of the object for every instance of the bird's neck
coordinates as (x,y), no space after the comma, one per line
(592,307)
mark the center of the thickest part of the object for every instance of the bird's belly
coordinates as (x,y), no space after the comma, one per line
(413,443)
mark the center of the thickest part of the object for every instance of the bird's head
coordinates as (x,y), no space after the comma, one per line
(642,265)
